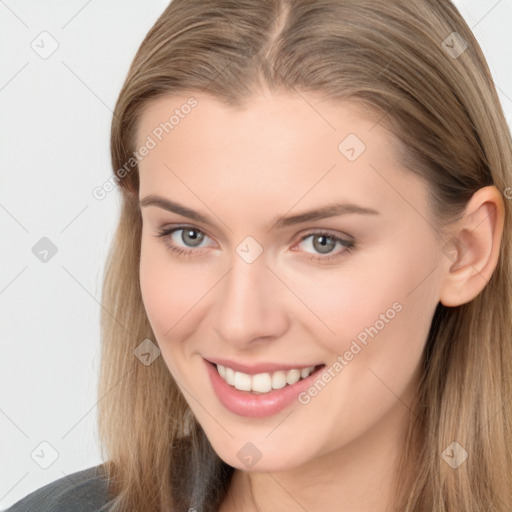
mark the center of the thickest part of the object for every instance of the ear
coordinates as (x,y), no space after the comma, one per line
(472,253)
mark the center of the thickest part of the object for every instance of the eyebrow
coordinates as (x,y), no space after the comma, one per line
(331,210)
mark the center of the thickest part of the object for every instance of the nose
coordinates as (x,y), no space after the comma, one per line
(250,305)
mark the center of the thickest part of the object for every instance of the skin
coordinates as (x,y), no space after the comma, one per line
(243,168)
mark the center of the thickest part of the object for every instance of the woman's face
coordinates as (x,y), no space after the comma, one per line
(292,239)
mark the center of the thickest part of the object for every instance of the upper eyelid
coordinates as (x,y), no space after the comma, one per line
(178,227)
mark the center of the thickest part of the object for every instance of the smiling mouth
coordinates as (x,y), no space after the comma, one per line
(261,383)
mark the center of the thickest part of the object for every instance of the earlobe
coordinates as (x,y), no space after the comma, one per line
(471,255)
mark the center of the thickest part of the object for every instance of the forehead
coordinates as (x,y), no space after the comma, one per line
(277,149)
(292,116)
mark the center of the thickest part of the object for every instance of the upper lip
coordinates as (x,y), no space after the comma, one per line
(253,369)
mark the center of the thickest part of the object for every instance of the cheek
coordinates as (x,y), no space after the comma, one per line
(384,294)
(169,290)
(176,295)
(381,315)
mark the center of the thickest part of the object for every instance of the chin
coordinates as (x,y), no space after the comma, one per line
(261,456)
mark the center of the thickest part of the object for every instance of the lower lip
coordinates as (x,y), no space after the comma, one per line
(245,403)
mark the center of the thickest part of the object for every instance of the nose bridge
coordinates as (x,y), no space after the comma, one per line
(249,304)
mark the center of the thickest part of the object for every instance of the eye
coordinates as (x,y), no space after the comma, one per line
(183,239)
(191,237)
(188,240)
(322,245)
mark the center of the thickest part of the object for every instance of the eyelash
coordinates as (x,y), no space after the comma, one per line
(348,245)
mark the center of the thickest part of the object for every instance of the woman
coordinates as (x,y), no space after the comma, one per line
(307,304)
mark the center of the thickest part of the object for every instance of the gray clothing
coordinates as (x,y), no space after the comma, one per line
(83,491)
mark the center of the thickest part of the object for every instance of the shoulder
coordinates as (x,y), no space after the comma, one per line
(83,491)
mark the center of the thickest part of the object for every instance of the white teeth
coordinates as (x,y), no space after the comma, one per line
(278,380)
(242,381)
(230,376)
(293,376)
(262,382)
(222,371)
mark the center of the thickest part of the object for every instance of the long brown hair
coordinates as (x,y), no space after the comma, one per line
(408,61)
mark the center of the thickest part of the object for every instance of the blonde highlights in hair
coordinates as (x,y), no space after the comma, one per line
(387,55)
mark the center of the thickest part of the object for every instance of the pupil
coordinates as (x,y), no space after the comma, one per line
(325,245)
(192,237)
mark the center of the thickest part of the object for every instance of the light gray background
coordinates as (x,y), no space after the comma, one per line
(54,133)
